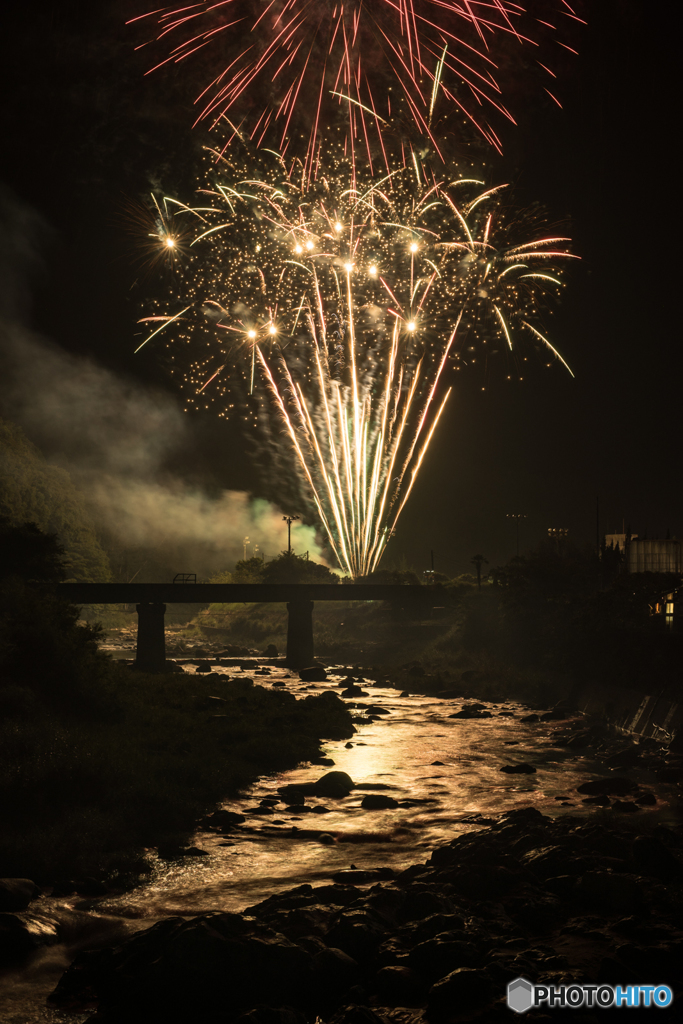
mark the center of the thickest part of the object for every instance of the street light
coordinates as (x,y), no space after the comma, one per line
(289,520)
(516,516)
(245,543)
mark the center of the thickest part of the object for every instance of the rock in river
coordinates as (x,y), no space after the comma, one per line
(378,802)
(333,784)
(17,893)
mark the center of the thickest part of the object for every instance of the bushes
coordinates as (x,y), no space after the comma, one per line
(98,762)
(43,650)
(103,788)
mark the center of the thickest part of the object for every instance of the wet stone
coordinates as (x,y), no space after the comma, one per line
(470,990)
(625,807)
(21,933)
(397,985)
(615,786)
(17,893)
(378,801)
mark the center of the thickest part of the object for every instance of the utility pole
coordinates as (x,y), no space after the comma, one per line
(598,542)
(289,520)
(516,516)
(477,561)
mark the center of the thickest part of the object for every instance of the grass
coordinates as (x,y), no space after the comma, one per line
(87,795)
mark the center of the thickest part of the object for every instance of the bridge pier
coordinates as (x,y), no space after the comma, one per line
(299,634)
(150,654)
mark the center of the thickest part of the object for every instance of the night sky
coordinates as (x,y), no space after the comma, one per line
(83,133)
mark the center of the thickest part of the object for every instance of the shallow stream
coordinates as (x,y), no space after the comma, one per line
(445,773)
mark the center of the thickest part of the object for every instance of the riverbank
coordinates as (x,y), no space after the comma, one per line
(85,791)
(556,901)
(425,770)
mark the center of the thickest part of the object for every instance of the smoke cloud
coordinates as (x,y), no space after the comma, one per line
(116,437)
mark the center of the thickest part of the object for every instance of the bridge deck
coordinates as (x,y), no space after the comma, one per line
(151,600)
(247,593)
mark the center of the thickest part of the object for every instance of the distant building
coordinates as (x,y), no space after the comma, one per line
(618,541)
(637,554)
(654,555)
(642,555)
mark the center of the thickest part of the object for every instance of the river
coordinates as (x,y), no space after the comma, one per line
(443,771)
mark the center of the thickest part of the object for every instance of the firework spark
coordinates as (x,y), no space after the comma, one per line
(348,300)
(386,69)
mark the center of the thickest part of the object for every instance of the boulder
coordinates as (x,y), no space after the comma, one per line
(223,819)
(22,933)
(472,711)
(296,793)
(378,802)
(352,1014)
(313,674)
(530,718)
(519,769)
(464,991)
(441,955)
(357,876)
(397,985)
(334,972)
(358,933)
(270,651)
(546,861)
(625,807)
(17,893)
(616,785)
(602,889)
(191,971)
(653,858)
(334,784)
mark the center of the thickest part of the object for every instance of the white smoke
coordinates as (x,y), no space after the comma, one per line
(116,437)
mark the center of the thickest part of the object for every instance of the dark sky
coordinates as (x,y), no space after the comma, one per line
(82,130)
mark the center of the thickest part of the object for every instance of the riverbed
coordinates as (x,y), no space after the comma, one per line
(443,772)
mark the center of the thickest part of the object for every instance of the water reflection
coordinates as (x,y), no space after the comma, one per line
(444,772)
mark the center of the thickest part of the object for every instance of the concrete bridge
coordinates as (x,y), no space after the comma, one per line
(151,600)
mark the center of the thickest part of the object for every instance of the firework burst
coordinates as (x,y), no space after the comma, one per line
(386,70)
(342,302)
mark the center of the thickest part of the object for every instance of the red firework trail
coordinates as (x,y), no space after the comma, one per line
(385,65)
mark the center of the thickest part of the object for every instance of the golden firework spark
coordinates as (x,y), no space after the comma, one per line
(348,299)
